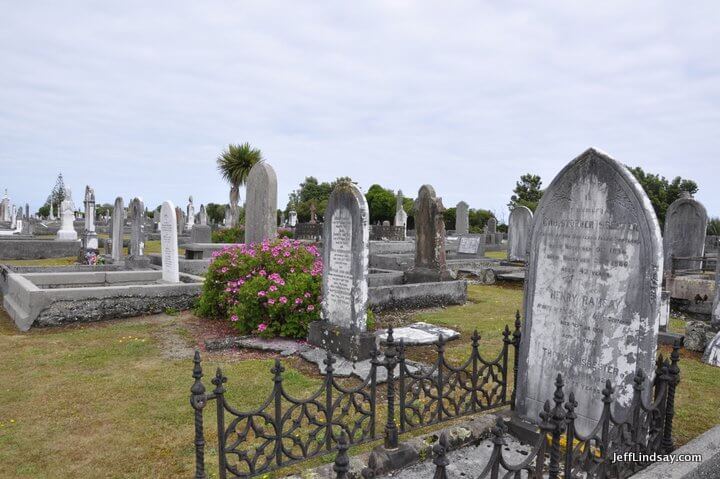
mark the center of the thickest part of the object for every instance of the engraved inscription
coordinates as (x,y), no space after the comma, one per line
(339,269)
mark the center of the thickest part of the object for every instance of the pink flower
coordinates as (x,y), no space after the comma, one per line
(271,301)
(262,293)
(233,317)
(224,269)
(262,327)
(272,287)
(310,307)
(307,295)
(262,272)
(298,300)
(283,299)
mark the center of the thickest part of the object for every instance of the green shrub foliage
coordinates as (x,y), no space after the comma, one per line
(269,289)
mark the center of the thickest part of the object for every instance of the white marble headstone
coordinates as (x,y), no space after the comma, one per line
(169,243)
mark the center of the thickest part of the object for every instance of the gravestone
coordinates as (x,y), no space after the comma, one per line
(462,219)
(711,355)
(201,234)
(430,260)
(227,220)
(715,314)
(117,230)
(400,214)
(136,212)
(180,220)
(684,235)
(491,226)
(67,230)
(292,218)
(592,290)
(519,225)
(343,329)
(90,239)
(261,204)
(169,243)
(27,211)
(202,216)
(470,246)
(190,214)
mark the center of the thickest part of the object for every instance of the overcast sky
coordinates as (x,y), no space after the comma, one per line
(138,98)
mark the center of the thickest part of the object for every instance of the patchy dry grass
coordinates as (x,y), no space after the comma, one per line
(41,262)
(106,400)
(497,254)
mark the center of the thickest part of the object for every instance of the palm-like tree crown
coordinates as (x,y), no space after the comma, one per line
(236,161)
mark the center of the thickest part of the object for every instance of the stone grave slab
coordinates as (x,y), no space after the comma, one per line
(420,333)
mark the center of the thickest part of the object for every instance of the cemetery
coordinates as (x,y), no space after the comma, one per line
(360,241)
(425,327)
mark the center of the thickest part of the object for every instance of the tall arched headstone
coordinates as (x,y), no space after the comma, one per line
(117,230)
(261,204)
(169,243)
(462,219)
(430,260)
(592,289)
(343,329)
(136,212)
(519,226)
(684,234)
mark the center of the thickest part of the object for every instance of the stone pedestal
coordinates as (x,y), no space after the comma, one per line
(90,240)
(201,234)
(428,275)
(355,345)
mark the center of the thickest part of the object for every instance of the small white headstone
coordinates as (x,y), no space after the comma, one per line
(169,243)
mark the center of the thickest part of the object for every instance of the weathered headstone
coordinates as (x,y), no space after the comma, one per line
(462,219)
(190,215)
(470,245)
(711,355)
(520,222)
(203,218)
(430,260)
(169,243)
(491,226)
(313,213)
(715,315)
(90,239)
(180,220)
(261,204)
(592,289)
(201,234)
(136,212)
(684,235)
(293,218)
(227,221)
(343,329)
(117,230)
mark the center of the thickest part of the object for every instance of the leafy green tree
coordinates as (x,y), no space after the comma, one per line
(311,191)
(478,218)
(527,192)
(661,191)
(215,212)
(44,211)
(713,227)
(381,202)
(104,209)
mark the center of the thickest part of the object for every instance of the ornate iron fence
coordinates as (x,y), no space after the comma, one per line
(561,451)
(285,430)
(685,265)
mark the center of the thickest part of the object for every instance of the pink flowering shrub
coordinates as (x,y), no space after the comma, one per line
(270,289)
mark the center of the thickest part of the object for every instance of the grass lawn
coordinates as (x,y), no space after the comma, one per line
(496,254)
(111,399)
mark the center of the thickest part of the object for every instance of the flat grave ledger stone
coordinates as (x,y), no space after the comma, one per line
(419,333)
(169,243)
(592,290)
(345,274)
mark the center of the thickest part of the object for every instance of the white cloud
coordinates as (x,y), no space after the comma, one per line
(138,98)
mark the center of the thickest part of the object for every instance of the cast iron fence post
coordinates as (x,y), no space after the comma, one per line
(198,401)
(570,417)
(507,341)
(546,428)
(517,335)
(474,379)
(674,372)
(498,440)
(391,433)
(439,383)
(374,362)
(557,419)
(342,461)
(606,417)
(440,450)
(219,392)
(329,360)
(277,371)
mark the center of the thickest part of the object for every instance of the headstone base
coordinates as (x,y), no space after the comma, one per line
(64,235)
(137,262)
(427,275)
(90,240)
(526,432)
(353,345)
(201,234)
